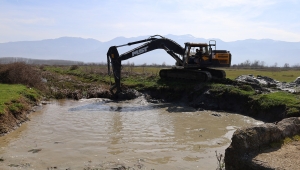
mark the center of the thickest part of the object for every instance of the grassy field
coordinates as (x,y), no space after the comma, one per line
(279,74)
(283,75)
(11,97)
(143,77)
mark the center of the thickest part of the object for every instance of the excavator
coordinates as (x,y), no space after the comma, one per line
(185,67)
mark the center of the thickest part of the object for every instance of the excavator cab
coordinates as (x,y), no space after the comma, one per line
(191,53)
(210,56)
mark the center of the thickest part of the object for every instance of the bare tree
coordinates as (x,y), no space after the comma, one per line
(286,65)
(131,66)
(262,64)
(144,65)
(255,64)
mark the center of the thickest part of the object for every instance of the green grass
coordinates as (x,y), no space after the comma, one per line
(244,90)
(99,73)
(279,74)
(10,96)
(260,102)
(83,73)
(269,100)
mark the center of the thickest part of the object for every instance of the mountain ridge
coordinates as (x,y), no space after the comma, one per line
(94,51)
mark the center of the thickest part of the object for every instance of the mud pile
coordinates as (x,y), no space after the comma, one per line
(292,87)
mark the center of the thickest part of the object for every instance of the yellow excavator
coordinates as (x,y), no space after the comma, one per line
(190,65)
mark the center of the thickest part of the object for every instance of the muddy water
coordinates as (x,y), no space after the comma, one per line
(101,134)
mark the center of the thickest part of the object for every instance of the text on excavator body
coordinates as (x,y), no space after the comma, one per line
(139,51)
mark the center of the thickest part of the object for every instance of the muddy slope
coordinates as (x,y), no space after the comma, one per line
(206,99)
(9,121)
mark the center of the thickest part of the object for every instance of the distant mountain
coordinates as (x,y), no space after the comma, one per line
(91,50)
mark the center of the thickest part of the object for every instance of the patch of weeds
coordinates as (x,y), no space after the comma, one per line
(32,95)
(74,67)
(285,141)
(246,87)
(16,107)
(219,90)
(221,163)
(292,111)
(296,138)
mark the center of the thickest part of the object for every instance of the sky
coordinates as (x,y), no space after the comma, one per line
(103,20)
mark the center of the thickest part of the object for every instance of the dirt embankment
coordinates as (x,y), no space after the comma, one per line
(9,120)
(257,147)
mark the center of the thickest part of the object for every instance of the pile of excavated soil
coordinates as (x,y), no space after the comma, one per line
(291,87)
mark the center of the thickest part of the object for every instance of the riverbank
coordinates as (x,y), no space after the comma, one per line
(260,101)
(16,101)
(263,102)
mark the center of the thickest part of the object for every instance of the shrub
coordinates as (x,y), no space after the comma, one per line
(74,67)
(21,73)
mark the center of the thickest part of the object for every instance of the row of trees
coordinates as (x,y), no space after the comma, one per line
(256,64)
(261,64)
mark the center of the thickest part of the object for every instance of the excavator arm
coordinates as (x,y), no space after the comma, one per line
(152,43)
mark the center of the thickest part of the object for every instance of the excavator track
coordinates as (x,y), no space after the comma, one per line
(219,74)
(186,74)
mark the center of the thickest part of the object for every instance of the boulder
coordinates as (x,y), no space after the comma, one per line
(297,81)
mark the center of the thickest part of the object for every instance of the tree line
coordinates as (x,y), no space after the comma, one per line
(256,64)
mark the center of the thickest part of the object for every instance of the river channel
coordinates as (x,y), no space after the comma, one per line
(103,134)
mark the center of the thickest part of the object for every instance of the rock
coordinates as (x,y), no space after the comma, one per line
(269,82)
(247,142)
(247,78)
(216,114)
(297,81)
(259,80)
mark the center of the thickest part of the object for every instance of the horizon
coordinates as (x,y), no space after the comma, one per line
(33,20)
(141,36)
